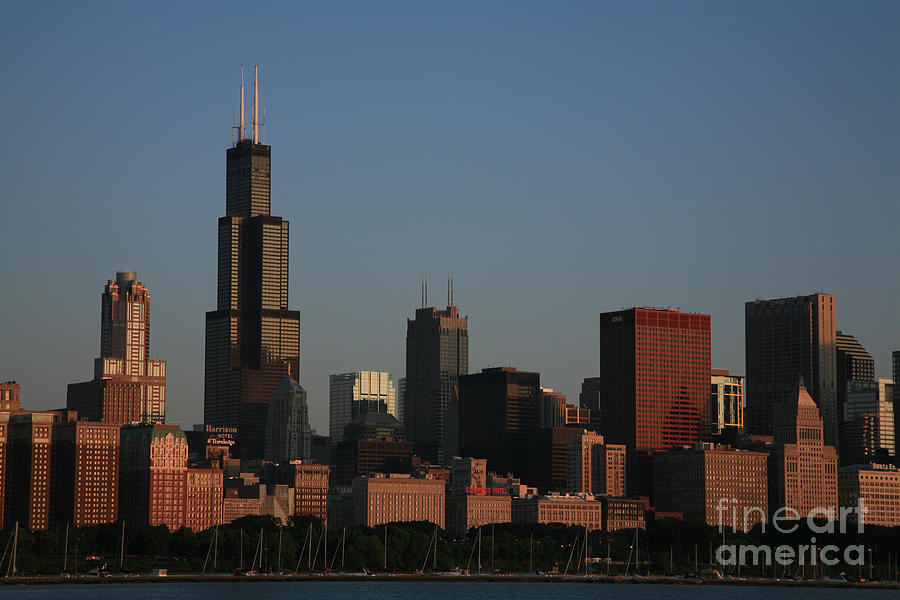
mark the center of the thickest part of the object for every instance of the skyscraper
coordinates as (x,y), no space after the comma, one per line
(252,338)
(288,435)
(867,433)
(654,384)
(852,363)
(127,386)
(437,353)
(726,400)
(786,338)
(358,393)
(497,409)
(802,470)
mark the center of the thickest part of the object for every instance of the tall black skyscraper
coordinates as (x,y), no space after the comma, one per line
(252,339)
(437,353)
(786,338)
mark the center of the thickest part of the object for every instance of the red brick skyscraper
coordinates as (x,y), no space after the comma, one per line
(653,384)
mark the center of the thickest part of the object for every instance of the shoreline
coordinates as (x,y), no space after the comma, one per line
(445,578)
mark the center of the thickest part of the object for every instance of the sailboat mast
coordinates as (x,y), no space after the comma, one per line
(66,550)
(15,549)
(531,554)
(122,548)
(385,548)
(479,549)
(492,547)
(279,548)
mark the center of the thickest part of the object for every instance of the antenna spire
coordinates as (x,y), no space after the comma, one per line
(242,134)
(255,104)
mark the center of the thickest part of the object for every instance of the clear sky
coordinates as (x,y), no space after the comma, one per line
(561,158)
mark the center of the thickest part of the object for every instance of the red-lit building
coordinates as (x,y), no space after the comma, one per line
(653,385)
(28,469)
(204,504)
(84,470)
(310,483)
(153,475)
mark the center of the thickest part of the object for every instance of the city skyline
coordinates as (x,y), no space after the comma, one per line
(692,208)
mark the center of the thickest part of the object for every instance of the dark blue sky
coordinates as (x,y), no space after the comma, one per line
(563,159)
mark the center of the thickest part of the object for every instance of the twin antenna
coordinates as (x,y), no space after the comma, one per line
(256,122)
(449,290)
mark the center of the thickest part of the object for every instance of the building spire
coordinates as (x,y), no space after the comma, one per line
(255,104)
(242,134)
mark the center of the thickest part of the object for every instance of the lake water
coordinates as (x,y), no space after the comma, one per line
(314,590)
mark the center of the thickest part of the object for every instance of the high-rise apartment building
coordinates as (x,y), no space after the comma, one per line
(802,469)
(127,386)
(653,388)
(288,434)
(497,408)
(786,338)
(713,484)
(726,400)
(595,467)
(868,427)
(358,393)
(437,354)
(252,338)
(84,472)
(28,460)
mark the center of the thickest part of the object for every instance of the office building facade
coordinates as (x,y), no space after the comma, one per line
(653,389)
(786,338)
(726,400)
(358,393)
(869,422)
(497,408)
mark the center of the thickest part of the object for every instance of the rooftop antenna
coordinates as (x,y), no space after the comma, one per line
(264,125)
(449,295)
(422,304)
(232,127)
(255,104)
(241,136)
(426,291)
